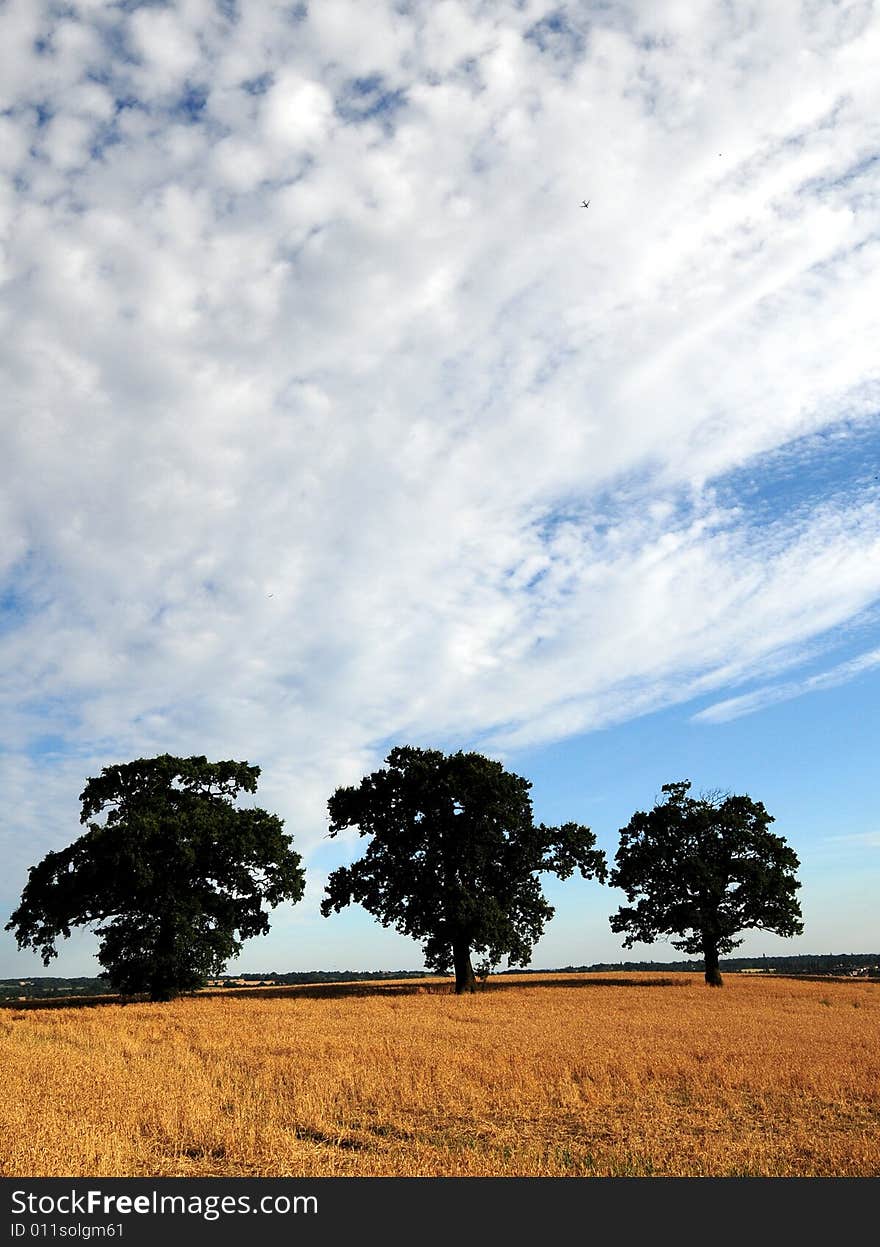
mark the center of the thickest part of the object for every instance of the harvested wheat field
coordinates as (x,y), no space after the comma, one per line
(578,1075)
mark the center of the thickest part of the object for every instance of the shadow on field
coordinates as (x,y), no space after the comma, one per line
(60,1002)
(341,991)
(420,987)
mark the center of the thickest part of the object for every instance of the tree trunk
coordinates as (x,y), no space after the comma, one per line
(464,971)
(162,986)
(710,957)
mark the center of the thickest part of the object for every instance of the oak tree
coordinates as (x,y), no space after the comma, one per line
(704,869)
(454,857)
(175,877)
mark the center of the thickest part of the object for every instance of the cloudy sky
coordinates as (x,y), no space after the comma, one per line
(331,420)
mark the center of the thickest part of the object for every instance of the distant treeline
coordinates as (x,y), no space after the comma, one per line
(44,985)
(805,963)
(326,976)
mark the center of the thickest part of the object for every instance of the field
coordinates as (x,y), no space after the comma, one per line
(580,1075)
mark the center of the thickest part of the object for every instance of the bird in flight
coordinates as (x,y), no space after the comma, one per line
(585,203)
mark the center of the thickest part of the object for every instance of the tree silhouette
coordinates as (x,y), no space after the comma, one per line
(176,876)
(704,869)
(454,857)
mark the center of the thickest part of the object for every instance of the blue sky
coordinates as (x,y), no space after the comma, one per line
(331,420)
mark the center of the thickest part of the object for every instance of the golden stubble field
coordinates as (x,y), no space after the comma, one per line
(580,1075)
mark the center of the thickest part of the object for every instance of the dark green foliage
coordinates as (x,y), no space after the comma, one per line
(176,876)
(454,857)
(704,869)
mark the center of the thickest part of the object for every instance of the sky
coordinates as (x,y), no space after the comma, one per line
(332,421)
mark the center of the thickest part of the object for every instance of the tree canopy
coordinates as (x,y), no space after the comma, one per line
(175,877)
(454,857)
(704,869)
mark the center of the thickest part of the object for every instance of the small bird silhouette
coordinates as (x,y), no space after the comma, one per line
(585,203)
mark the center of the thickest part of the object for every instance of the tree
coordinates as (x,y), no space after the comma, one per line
(176,875)
(454,857)
(704,869)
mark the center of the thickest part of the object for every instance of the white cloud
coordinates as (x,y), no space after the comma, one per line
(167,49)
(13,145)
(359,40)
(320,431)
(748,703)
(67,142)
(863,839)
(21,24)
(297,112)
